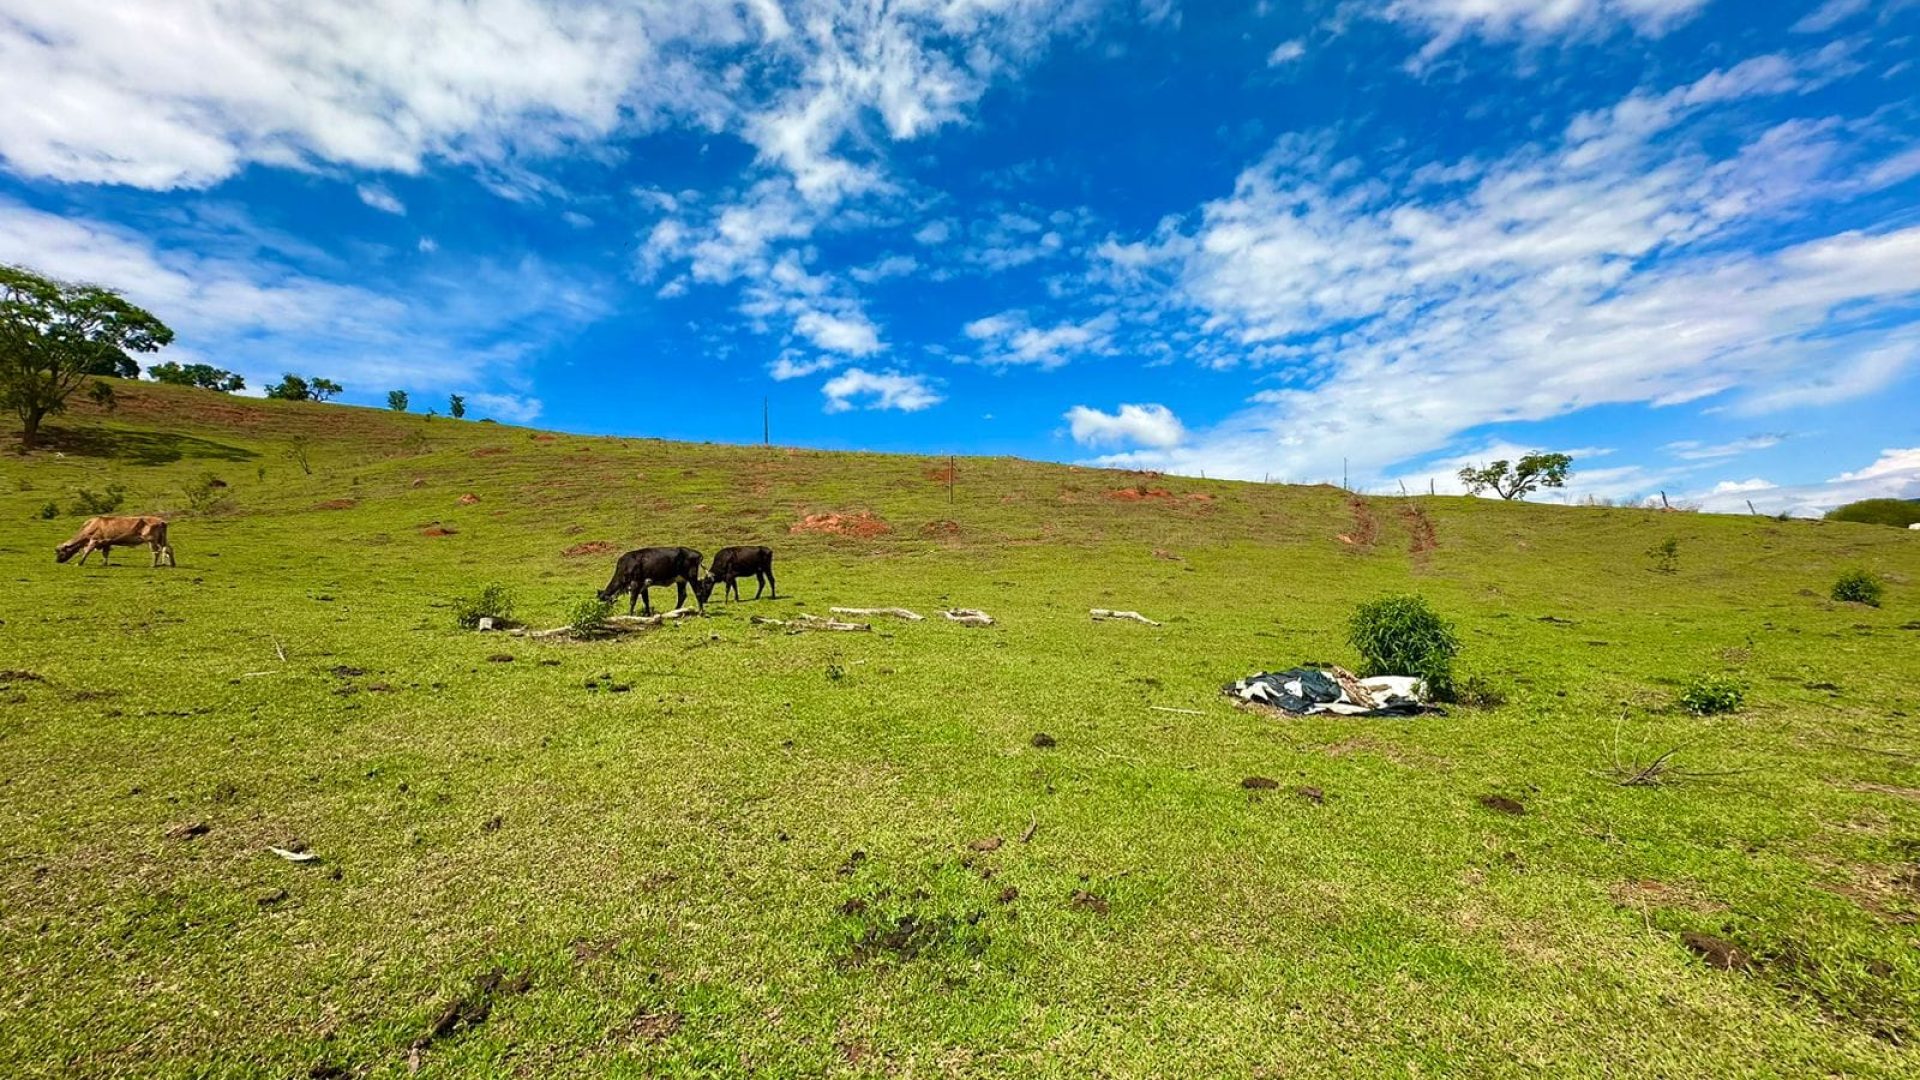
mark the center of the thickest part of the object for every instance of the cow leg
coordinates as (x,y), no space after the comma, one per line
(105,550)
(646,601)
(772,585)
(680,593)
(156,555)
(759,584)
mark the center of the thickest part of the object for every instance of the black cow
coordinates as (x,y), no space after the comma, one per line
(639,570)
(730,564)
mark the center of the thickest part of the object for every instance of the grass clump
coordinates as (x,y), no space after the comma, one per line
(1665,555)
(49,511)
(494,602)
(1403,635)
(1857,586)
(588,617)
(87,502)
(1713,695)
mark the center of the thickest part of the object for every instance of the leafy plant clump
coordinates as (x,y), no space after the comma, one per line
(87,503)
(1402,635)
(494,602)
(588,617)
(1713,695)
(49,512)
(1858,586)
(207,494)
(1665,555)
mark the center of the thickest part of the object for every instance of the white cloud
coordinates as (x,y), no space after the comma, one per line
(934,232)
(428,245)
(1692,450)
(378,197)
(1894,475)
(1010,339)
(576,219)
(882,390)
(1140,425)
(1829,15)
(1400,311)
(1286,52)
(1533,22)
(891,266)
(233,304)
(512,408)
(789,366)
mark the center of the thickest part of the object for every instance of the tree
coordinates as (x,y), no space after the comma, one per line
(204,376)
(322,389)
(397,400)
(54,336)
(291,387)
(457,405)
(1510,481)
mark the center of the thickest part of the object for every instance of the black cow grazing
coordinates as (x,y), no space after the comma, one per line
(731,564)
(639,570)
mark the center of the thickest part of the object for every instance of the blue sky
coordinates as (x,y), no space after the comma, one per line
(1679,239)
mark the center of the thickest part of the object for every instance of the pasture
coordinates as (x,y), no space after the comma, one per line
(721,849)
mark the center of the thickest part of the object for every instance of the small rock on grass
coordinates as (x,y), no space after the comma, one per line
(1043,741)
(1502,804)
(987,843)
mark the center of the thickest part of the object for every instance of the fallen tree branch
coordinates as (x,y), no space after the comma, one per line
(1182,712)
(1101,614)
(615,624)
(895,612)
(969,616)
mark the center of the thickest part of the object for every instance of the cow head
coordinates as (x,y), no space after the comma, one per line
(68,550)
(703,588)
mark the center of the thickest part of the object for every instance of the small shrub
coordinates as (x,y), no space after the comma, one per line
(1711,695)
(1477,691)
(87,503)
(1402,635)
(49,512)
(1858,586)
(206,494)
(1665,555)
(494,602)
(588,617)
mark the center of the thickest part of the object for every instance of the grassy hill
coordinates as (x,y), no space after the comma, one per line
(721,849)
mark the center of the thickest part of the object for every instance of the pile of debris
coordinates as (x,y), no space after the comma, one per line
(1303,691)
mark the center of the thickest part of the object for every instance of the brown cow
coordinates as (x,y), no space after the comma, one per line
(103,534)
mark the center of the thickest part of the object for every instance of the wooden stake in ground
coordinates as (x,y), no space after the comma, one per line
(1101,614)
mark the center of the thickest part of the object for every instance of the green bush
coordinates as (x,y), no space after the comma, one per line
(1858,586)
(87,503)
(1665,555)
(494,602)
(49,512)
(1711,695)
(1899,513)
(588,617)
(207,494)
(1401,635)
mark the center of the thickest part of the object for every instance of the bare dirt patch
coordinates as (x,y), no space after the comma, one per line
(468,499)
(545,438)
(943,527)
(337,504)
(941,475)
(438,530)
(591,547)
(1140,493)
(861,523)
(1423,536)
(1365,528)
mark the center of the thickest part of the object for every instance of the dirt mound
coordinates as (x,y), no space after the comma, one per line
(1199,496)
(941,475)
(862,524)
(437,530)
(468,499)
(591,547)
(943,527)
(337,504)
(1138,493)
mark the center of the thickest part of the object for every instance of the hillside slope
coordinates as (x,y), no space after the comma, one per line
(720,849)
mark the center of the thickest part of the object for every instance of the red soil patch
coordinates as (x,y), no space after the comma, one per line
(437,530)
(1199,496)
(1422,535)
(489,451)
(337,504)
(591,547)
(545,438)
(940,528)
(1365,529)
(943,474)
(469,499)
(862,524)
(1138,493)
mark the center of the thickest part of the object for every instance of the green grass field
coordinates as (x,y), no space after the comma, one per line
(763,855)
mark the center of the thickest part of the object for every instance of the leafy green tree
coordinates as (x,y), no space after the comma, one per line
(1511,481)
(397,400)
(322,389)
(457,406)
(203,376)
(55,336)
(291,387)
